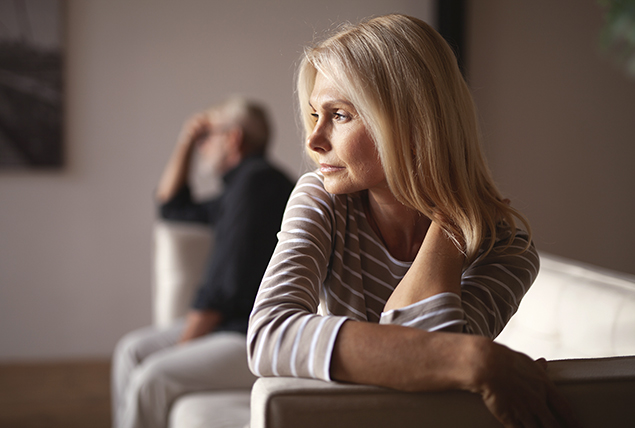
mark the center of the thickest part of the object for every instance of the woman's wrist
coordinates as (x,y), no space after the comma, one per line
(464,360)
(479,364)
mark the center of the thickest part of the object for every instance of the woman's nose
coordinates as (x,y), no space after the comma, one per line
(318,140)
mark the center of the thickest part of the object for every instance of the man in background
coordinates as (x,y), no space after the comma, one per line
(207,350)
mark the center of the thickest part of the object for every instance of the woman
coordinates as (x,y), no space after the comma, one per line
(400,237)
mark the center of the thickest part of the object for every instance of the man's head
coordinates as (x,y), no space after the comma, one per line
(238,128)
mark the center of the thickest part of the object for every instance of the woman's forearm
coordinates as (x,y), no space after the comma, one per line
(436,269)
(405,358)
(514,388)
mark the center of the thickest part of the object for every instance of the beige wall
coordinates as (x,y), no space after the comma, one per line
(559,121)
(75,245)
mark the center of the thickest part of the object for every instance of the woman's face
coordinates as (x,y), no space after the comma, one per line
(347,156)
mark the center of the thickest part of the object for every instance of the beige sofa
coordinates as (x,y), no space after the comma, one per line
(180,255)
(579,315)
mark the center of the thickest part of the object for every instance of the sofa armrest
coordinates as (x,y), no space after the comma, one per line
(290,402)
(180,254)
(600,392)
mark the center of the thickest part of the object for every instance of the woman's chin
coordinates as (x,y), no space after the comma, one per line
(339,187)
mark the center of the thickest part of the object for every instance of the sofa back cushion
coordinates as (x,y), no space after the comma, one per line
(180,253)
(574,310)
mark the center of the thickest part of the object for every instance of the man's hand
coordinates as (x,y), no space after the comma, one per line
(194,130)
(199,323)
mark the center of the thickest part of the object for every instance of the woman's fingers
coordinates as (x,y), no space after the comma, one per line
(542,363)
(520,394)
(531,414)
(561,409)
(558,405)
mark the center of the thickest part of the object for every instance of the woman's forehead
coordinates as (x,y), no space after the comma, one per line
(326,91)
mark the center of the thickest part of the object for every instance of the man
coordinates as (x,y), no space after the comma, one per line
(207,351)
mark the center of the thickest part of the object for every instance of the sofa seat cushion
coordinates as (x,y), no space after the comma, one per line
(222,409)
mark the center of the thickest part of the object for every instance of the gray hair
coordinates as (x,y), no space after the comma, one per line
(251,117)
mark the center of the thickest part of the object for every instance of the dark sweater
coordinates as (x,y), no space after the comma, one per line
(245,219)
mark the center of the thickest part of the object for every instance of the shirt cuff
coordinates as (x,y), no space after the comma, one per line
(441,312)
(331,346)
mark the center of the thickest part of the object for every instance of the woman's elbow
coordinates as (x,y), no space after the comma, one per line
(252,360)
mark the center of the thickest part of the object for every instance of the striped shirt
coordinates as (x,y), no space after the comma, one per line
(329,266)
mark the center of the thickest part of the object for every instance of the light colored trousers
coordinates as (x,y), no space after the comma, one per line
(150,371)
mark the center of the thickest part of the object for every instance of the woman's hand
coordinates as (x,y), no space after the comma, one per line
(514,388)
(518,392)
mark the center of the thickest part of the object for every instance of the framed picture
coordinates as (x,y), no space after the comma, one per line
(451,15)
(31,96)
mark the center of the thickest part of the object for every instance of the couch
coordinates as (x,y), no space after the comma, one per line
(579,317)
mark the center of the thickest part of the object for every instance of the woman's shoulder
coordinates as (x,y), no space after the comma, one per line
(309,198)
(311,184)
(312,201)
(512,239)
(511,245)
(505,232)
(312,178)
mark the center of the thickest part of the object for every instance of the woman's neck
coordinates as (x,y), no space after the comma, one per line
(402,229)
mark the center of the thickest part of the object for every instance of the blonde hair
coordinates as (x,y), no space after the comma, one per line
(404,81)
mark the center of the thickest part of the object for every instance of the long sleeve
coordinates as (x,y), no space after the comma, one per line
(287,337)
(182,207)
(491,290)
(493,285)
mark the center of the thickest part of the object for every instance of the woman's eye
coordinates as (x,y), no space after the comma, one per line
(315,116)
(340,116)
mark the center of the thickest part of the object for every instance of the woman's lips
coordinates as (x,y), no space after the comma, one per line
(326,168)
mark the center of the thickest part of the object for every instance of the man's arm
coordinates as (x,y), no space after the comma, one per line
(178,167)
(199,323)
(175,175)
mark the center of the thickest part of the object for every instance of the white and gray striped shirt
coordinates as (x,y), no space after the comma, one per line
(330,266)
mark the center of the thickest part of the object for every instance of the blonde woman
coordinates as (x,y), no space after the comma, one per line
(400,237)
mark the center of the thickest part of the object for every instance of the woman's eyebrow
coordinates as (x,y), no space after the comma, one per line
(341,101)
(329,103)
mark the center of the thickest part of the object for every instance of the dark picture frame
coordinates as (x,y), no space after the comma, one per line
(31,84)
(451,17)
